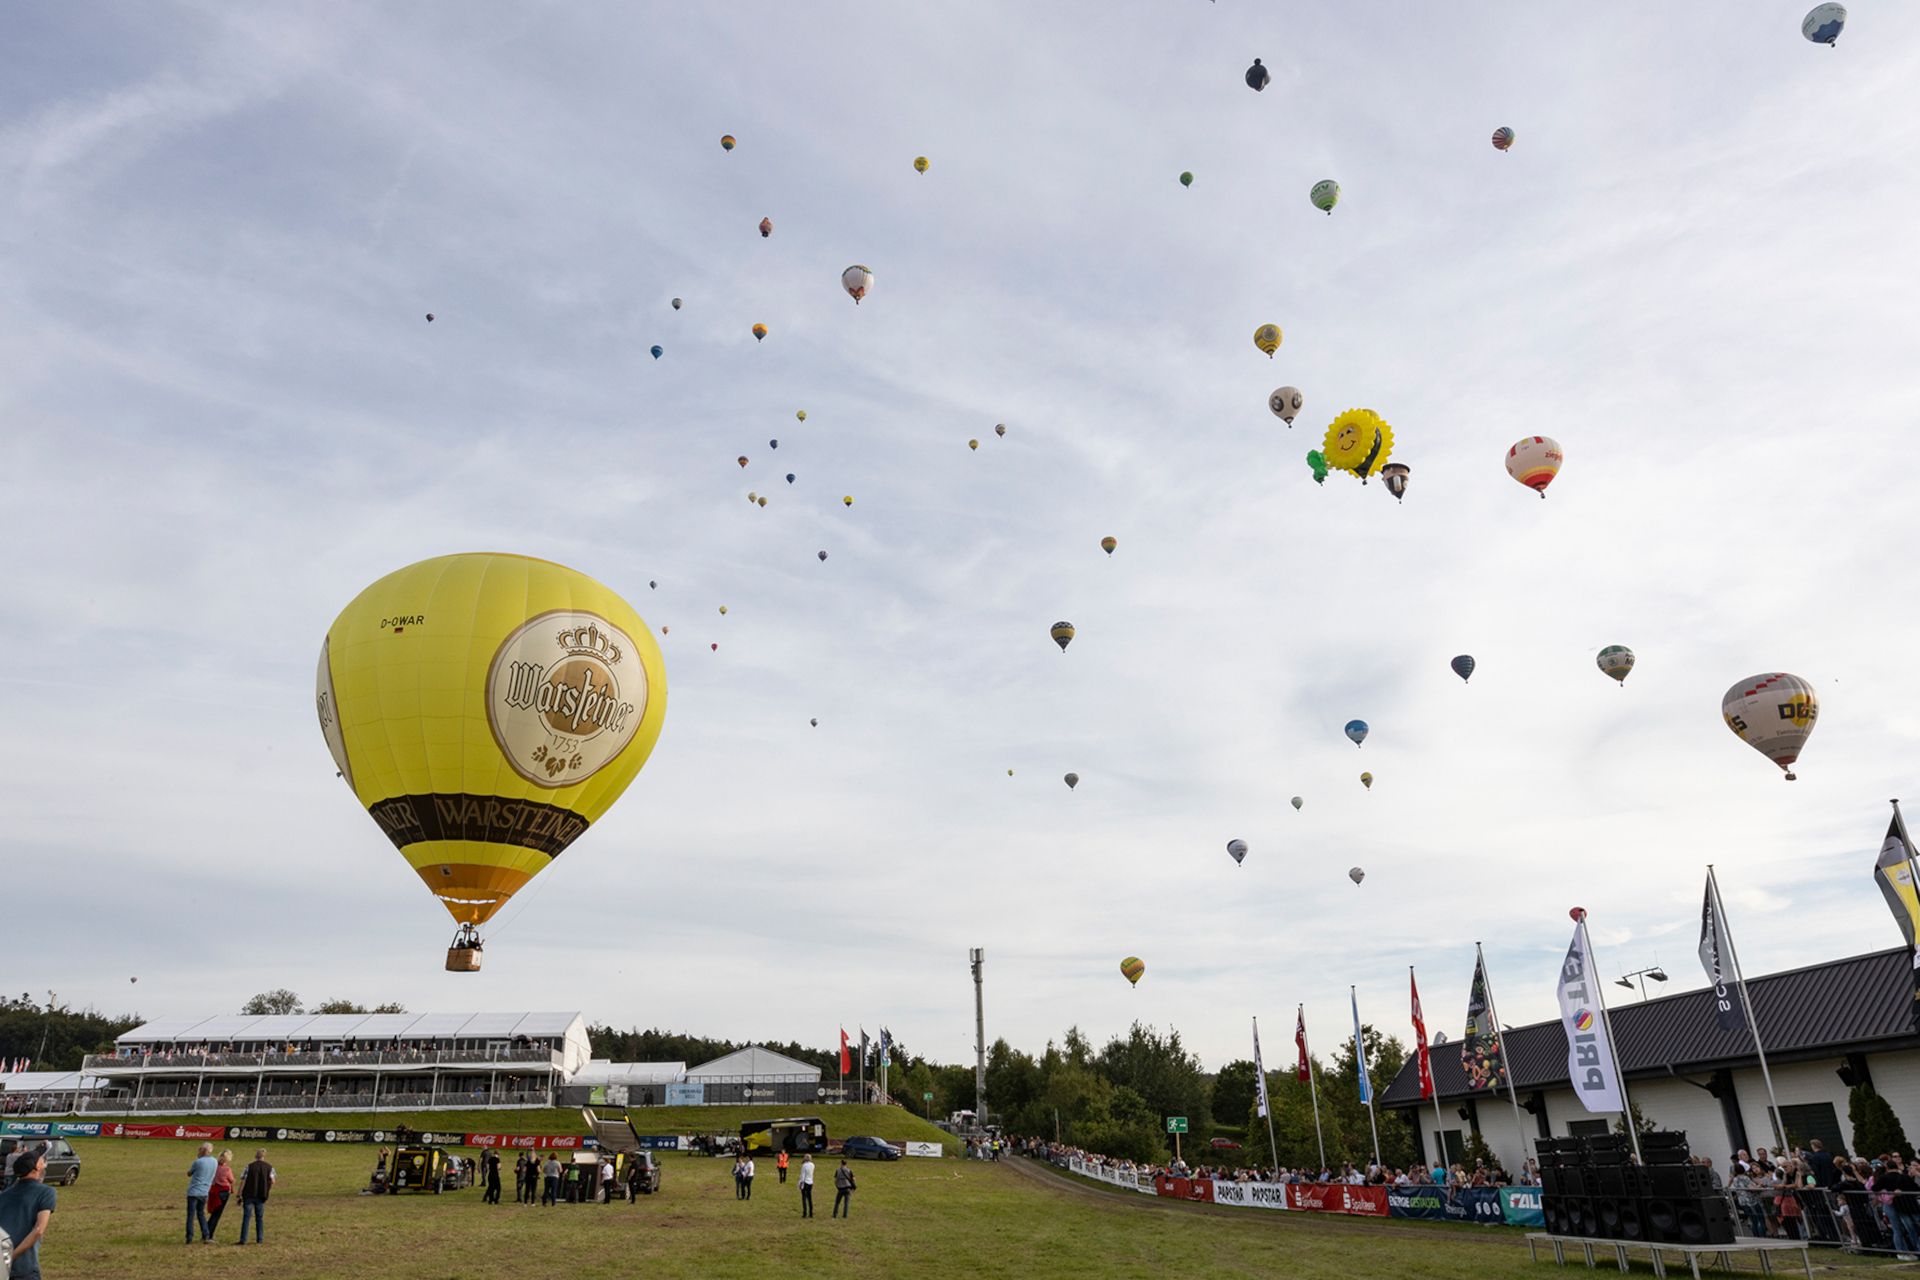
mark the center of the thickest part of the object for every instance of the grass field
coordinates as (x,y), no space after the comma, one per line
(913,1218)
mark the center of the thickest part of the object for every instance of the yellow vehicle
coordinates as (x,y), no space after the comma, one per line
(796,1136)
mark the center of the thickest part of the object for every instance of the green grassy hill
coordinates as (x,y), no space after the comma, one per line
(891,1123)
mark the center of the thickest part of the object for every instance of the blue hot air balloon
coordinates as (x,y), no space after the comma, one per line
(1357,730)
(656,349)
(789,477)
(1463,666)
(1823,23)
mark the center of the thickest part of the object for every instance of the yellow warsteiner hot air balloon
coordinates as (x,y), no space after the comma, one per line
(1359,441)
(486,709)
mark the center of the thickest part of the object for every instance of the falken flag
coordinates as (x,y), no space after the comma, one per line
(1716,957)
(1259,1069)
(1481,1054)
(1589,1055)
(1894,874)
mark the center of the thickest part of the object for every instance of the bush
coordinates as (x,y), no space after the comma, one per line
(1876,1130)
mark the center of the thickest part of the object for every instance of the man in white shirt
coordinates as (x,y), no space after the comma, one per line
(806,1187)
(606,1180)
(747,1180)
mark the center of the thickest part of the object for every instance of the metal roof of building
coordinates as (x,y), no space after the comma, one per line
(237,1028)
(755,1063)
(1859,1004)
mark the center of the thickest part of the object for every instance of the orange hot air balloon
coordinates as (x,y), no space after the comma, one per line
(759,333)
(766,227)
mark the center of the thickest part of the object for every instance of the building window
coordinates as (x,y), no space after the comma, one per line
(1588,1128)
(1807,1121)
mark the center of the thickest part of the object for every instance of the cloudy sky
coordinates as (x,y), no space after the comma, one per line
(224,414)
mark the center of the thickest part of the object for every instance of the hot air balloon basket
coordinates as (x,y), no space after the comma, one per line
(463,959)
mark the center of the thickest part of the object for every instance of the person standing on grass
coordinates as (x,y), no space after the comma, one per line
(199,1184)
(523,1178)
(606,1180)
(551,1171)
(222,1192)
(633,1180)
(806,1185)
(781,1164)
(490,1165)
(256,1183)
(739,1178)
(746,1179)
(26,1206)
(843,1190)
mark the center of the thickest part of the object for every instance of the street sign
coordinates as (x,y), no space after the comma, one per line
(926,1097)
(1176,1124)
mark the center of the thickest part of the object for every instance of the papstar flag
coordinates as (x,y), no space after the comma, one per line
(1589,1055)
(1360,1053)
(1259,1071)
(1303,1071)
(1715,958)
(1420,1040)
(1481,1055)
(846,1058)
(1894,874)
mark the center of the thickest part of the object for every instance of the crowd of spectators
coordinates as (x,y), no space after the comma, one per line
(1375,1175)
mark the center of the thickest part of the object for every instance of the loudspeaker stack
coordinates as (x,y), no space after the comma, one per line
(1591,1187)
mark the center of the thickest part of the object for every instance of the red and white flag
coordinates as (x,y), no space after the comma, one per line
(846,1058)
(1420,1039)
(1303,1071)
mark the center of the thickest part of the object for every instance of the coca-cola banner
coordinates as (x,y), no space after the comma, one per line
(1255,1195)
(526,1141)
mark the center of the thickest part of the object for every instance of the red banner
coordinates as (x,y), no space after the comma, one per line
(1183,1188)
(188,1132)
(529,1141)
(1365,1202)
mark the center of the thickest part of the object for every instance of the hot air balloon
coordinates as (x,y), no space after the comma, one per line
(823,555)
(1534,462)
(1131,968)
(1073,780)
(1297,802)
(766,227)
(752,497)
(1186,179)
(789,477)
(726,142)
(1267,338)
(1366,780)
(1285,403)
(676,304)
(1108,543)
(1774,714)
(666,630)
(1502,138)
(1000,428)
(429,317)
(759,332)
(714,647)
(763,501)
(1356,731)
(1317,461)
(815,722)
(133,979)
(656,351)
(857,281)
(1616,660)
(1062,633)
(1257,76)
(1009,773)
(920,164)
(973,444)
(1463,666)
(1237,849)
(1356,875)
(742,460)
(1325,195)
(1395,476)
(654,586)
(847,501)
(1823,22)
(469,686)
(723,611)
(1358,441)
(801,414)
(773,444)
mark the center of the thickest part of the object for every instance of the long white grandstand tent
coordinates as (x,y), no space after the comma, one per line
(23,1092)
(339,1061)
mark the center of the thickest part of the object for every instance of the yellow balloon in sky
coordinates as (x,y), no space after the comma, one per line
(487,709)
(1267,338)
(1359,441)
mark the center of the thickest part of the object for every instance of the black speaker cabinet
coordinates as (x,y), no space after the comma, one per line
(1553,1207)
(1707,1220)
(1668,1146)
(1678,1181)
(1619,1218)
(1581,1220)
(1574,1182)
(1638,1184)
(1549,1180)
(1608,1180)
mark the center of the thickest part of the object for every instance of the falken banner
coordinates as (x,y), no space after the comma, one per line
(50,1129)
(1589,1054)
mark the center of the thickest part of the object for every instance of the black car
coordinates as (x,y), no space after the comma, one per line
(868,1148)
(63,1165)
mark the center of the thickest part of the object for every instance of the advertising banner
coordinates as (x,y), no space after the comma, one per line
(260,1133)
(1183,1188)
(1476,1204)
(1429,1202)
(931,1150)
(686,1094)
(50,1129)
(1253,1195)
(662,1142)
(187,1132)
(1520,1206)
(1365,1202)
(529,1141)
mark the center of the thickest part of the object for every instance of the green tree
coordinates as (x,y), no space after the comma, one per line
(1640,1121)
(1165,1076)
(1340,1104)
(1876,1129)
(57,1038)
(280,1000)
(338,1006)
(391,1006)
(1233,1093)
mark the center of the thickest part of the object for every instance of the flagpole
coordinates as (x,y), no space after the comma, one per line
(1613,1046)
(1360,1051)
(1313,1089)
(1753,1023)
(1493,1012)
(1266,1101)
(1439,1123)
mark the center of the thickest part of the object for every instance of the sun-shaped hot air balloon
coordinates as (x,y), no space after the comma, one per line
(1358,441)
(467,687)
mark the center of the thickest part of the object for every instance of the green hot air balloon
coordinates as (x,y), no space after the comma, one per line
(1318,462)
(1186,179)
(1325,195)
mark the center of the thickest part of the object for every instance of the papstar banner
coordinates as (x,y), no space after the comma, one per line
(1715,953)
(1589,1053)
(1252,1195)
